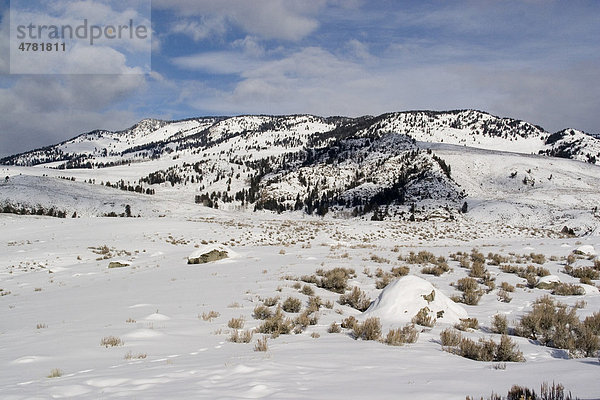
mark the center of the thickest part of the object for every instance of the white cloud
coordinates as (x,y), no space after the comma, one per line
(268,19)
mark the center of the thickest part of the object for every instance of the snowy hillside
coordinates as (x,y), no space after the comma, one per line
(402,256)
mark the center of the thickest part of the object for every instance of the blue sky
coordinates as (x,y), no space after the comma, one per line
(533,60)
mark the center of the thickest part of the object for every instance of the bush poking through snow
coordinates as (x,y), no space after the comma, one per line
(241,337)
(568,289)
(424,318)
(370,329)
(271,301)
(307,290)
(500,324)
(334,328)
(111,341)
(400,336)
(467,324)
(55,373)
(349,323)
(554,325)
(356,299)
(483,350)
(450,337)
(261,344)
(261,312)
(292,305)
(547,392)
(276,324)
(208,316)
(471,292)
(236,323)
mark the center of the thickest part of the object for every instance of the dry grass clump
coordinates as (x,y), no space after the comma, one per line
(530,273)
(206,316)
(423,317)
(305,319)
(483,350)
(356,299)
(567,289)
(585,274)
(271,301)
(547,392)
(307,290)
(261,344)
(41,326)
(379,260)
(467,324)
(450,337)
(496,259)
(500,324)
(334,328)
(471,292)
(386,277)
(55,373)
(554,325)
(236,323)
(507,287)
(370,329)
(261,312)
(335,280)
(276,324)
(111,341)
(314,304)
(131,356)
(291,305)
(537,258)
(241,336)
(400,336)
(349,322)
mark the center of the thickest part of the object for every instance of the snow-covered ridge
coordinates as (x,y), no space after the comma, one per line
(150,138)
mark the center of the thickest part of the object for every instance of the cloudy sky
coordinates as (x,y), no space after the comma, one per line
(536,60)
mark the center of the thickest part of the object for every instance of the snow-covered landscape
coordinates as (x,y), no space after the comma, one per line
(302,257)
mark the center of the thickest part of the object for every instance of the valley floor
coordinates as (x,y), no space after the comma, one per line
(60,299)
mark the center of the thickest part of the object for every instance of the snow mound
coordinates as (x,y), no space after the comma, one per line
(402,299)
(586,249)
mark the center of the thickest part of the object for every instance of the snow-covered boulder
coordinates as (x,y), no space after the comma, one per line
(586,250)
(547,282)
(403,298)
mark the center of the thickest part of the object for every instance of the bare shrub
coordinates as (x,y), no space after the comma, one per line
(356,299)
(507,287)
(305,319)
(400,336)
(568,289)
(467,323)
(261,312)
(537,258)
(292,305)
(488,350)
(370,329)
(423,317)
(307,290)
(349,323)
(450,337)
(314,304)
(503,296)
(335,279)
(241,336)
(236,323)
(55,373)
(554,325)
(261,344)
(334,328)
(271,301)
(207,316)
(111,341)
(400,271)
(276,324)
(499,324)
